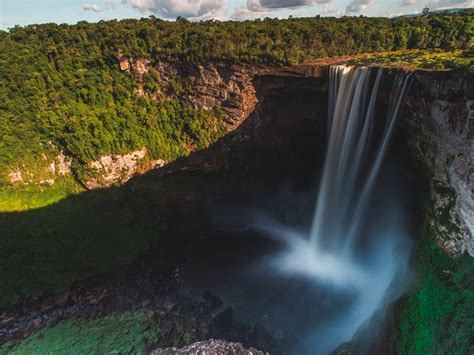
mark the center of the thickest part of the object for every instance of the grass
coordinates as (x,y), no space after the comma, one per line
(126,333)
(53,238)
(436,316)
(421,59)
(32,197)
(45,250)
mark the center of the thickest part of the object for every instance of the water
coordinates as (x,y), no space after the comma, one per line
(324,281)
(334,253)
(350,169)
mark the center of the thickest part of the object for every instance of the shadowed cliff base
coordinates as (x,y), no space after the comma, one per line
(149,207)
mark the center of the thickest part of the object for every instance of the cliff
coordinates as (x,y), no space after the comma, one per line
(439,120)
(271,107)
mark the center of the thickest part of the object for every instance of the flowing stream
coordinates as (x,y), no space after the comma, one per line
(343,267)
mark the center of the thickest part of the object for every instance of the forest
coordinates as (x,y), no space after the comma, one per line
(61,88)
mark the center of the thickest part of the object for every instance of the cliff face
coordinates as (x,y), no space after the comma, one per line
(439,123)
(274,107)
(228,87)
(271,96)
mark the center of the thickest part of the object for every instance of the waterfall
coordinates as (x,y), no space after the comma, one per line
(354,155)
(350,261)
(345,266)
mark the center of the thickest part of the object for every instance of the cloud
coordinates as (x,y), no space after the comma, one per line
(357,6)
(262,5)
(242,13)
(444,4)
(330,10)
(108,5)
(184,8)
(408,2)
(91,7)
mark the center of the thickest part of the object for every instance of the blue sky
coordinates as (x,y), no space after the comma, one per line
(24,12)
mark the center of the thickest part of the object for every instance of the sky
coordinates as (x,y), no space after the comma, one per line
(25,12)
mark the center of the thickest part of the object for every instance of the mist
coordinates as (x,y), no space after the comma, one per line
(318,263)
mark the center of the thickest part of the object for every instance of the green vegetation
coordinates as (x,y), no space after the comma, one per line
(126,333)
(61,88)
(32,197)
(45,250)
(436,316)
(422,59)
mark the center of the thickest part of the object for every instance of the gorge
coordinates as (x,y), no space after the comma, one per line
(155,195)
(343,265)
(289,118)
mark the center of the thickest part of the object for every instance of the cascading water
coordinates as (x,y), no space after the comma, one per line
(324,279)
(331,253)
(354,155)
(345,187)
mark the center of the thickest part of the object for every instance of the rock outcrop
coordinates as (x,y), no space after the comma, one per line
(110,169)
(439,119)
(210,347)
(45,173)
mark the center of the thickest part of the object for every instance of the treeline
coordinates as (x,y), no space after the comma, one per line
(60,85)
(266,42)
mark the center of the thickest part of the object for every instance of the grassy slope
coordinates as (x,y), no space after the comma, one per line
(48,248)
(126,333)
(436,316)
(422,59)
(32,197)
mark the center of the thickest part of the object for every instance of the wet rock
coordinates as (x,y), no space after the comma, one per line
(204,329)
(46,307)
(37,322)
(62,298)
(278,335)
(224,321)
(211,301)
(210,347)
(191,323)
(169,306)
(8,320)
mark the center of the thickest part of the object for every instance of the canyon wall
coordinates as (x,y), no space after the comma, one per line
(269,108)
(439,123)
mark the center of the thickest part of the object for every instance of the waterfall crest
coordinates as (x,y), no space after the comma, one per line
(350,169)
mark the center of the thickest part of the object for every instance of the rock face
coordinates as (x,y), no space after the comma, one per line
(119,168)
(439,119)
(47,173)
(271,106)
(228,87)
(210,347)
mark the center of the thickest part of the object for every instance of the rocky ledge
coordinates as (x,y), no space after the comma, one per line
(210,347)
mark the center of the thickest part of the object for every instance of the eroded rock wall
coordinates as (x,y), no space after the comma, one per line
(439,119)
(229,88)
(120,168)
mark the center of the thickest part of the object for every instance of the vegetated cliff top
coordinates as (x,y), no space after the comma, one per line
(429,59)
(62,88)
(267,42)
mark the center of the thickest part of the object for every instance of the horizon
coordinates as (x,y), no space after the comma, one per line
(23,13)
